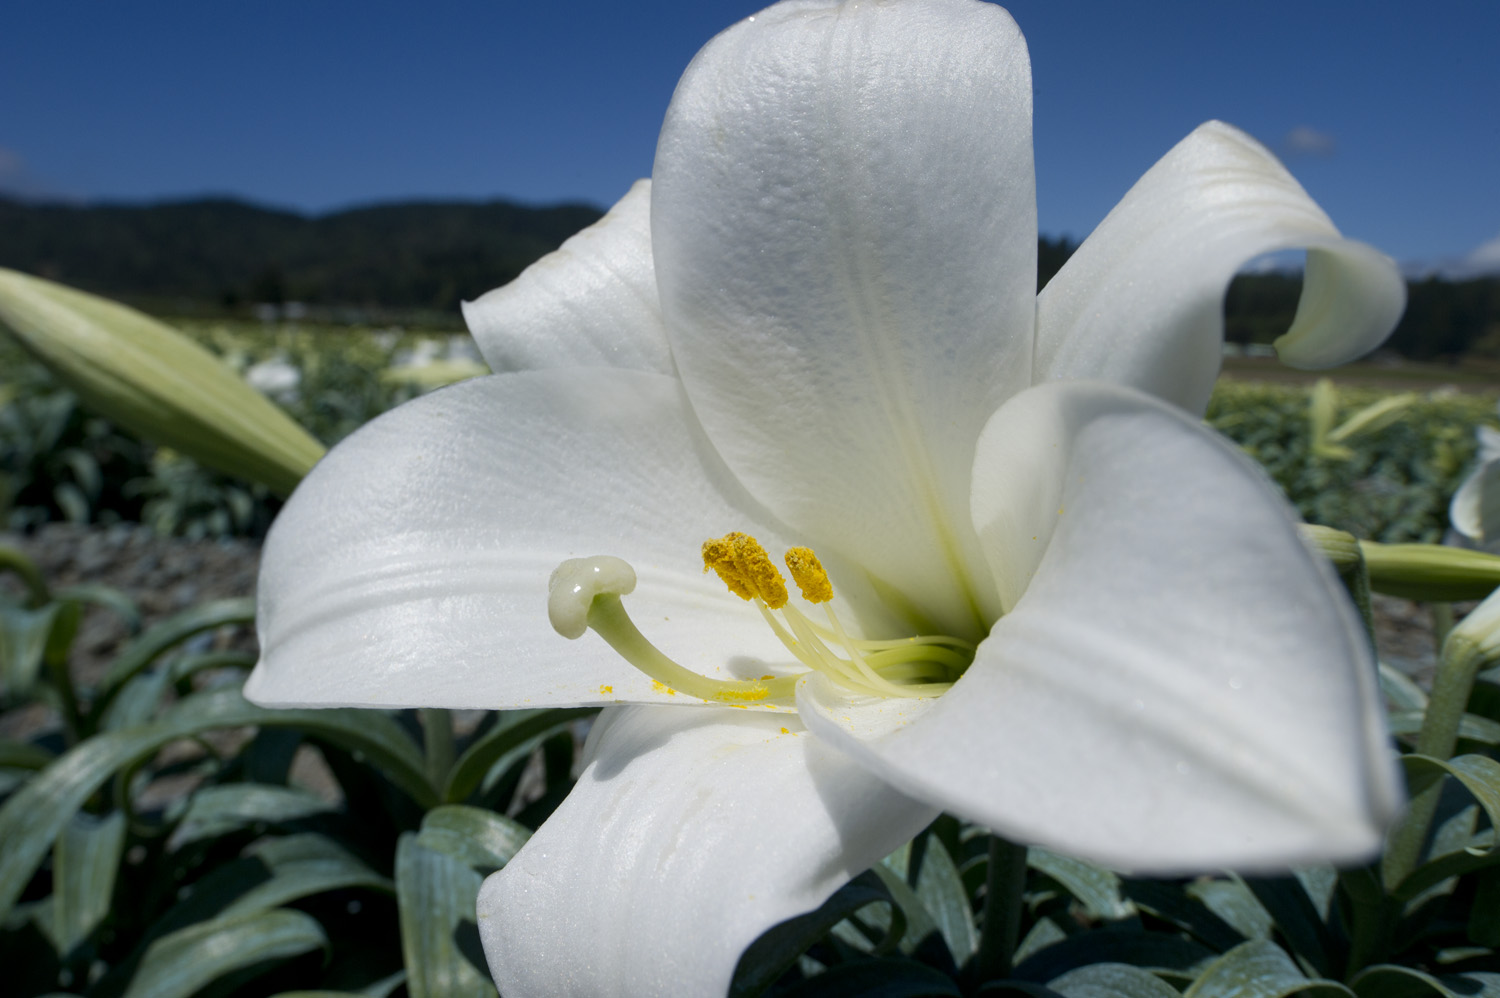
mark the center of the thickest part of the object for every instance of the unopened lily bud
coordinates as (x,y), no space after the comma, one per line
(1339,547)
(155,382)
(1430,571)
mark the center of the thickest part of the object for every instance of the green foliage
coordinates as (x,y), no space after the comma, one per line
(1395,484)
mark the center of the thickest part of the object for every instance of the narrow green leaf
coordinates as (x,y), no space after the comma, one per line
(1112,980)
(1259,969)
(1484,915)
(439,929)
(919,923)
(941,891)
(84,863)
(475,837)
(517,730)
(1168,955)
(778,947)
(1388,980)
(23,642)
(1295,914)
(876,979)
(1171,902)
(1480,776)
(1232,901)
(34,815)
(164,636)
(23,755)
(136,702)
(1470,726)
(115,600)
(1096,888)
(178,965)
(303,865)
(215,811)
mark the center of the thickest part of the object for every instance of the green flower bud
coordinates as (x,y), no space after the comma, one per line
(1430,571)
(156,383)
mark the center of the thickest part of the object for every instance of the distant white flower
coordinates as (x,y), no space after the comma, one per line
(818,325)
(275,377)
(1475,510)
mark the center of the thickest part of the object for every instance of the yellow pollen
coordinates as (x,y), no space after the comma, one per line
(606,689)
(807,571)
(718,554)
(784,731)
(743,565)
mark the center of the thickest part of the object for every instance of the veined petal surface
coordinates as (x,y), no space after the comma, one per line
(1141,302)
(590,303)
(844,223)
(1166,694)
(410,568)
(688,835)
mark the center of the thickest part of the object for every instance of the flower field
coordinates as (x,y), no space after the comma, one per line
(163,837)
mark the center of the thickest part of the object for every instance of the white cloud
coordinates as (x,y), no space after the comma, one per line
(1481,261)
(1304,140)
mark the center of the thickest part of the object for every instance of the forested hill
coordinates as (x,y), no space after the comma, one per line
(419,255)
(426,256)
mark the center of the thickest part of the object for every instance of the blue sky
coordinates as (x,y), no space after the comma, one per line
(1389,113)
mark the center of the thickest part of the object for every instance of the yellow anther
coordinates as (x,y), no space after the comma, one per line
(807,571)
(759,571)
(718,554)
(743,565)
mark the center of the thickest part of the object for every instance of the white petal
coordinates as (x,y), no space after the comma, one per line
(844,222)
(1141,301)
(1180,687)
(688,835)
(410,568)
(1475,510)
(591,303)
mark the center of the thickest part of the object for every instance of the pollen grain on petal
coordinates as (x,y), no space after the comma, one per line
(807,571)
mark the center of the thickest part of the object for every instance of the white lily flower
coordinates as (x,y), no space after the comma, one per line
(818,325)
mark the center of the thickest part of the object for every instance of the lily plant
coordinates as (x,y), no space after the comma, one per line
(1031,588)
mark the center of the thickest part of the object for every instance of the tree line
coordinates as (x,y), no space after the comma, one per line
(224,254)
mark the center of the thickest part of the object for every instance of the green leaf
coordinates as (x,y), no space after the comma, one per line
(303,865)
(875,979)
(778,947)
(1258,969)
(23,755)
(1470,726)
(1392,981)
(1478,774)
(1296,915)
(179,964)
(475,837)
(916,923)
(1232,901)
(1168,955)
(941,891)
(439,928)
(85,860)
(215,811)
(1484,915)
(1112,980)
(23,643)
(112,599)
(1096,888)
(162,637)
(34,815)
(517,732)
(1170,901)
